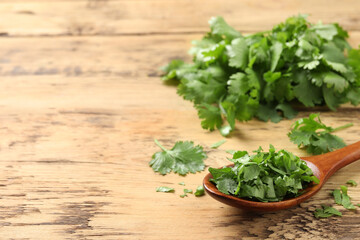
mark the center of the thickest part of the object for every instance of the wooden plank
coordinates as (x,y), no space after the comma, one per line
(78,117)
(33,18)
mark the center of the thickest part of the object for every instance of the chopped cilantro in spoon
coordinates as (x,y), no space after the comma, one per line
(265,176)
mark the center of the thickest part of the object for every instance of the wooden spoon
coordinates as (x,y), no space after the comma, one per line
(323,166)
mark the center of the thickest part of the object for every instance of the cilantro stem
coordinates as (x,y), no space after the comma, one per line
(160,146)
(342,127)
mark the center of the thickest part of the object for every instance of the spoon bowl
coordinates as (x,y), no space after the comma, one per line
(323,167)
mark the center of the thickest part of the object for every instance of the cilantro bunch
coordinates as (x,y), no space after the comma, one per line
(260,75)
(266,176)
(315,136)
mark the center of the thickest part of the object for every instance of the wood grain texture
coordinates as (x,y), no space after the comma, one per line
(111,17)
(78,115)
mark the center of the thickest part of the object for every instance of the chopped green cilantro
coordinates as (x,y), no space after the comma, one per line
(342,198)
(236,77)
(199,191)
(165,189)
(183,158)
(182,183)
(265,176)
(352,183)
(326,211)
(186,191)
(316,137)
(218,144)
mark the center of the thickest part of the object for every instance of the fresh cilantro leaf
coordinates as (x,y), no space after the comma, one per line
(199,191)
(261,75)
(352,183)
(326,211)
(337,196)
(220,27)
(357,204)
(266,176)
(342,198)
(183,158)
(165,189)
(218,144)
(211,116)
(316,137)
(181,183)
(186,191)
(238,53)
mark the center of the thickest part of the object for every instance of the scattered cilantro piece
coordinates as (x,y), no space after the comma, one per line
(358,204)
(183,158)
(266,176)
(326,211)
(218,144)
(165,189)
(182,183)
(342,198)
(316,137)
(199,191)
(352,183)
(235,77)
(186,191)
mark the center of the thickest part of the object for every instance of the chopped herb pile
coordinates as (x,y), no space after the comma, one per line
(218,144)
(326,211)
(240,77)
(165,189)
(342,198)
(265,176)
(183,158)
(316,137)
(199,191)
(186,191)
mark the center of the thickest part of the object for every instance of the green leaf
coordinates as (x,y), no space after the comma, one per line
(306,92)
(238,53)
(183,158)
(276,50)
(211,116)
(305,133)
(337,196)
(334,80)
(220,27)
(327,31)
(352,183)
(326,211)
(181,183)
(267,112)
(199,191)
(287,110)
(165,189)
(218,144)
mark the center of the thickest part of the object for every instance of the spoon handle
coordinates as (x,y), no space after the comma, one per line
(330,162)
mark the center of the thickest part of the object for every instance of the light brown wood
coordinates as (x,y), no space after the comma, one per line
(78,115)
(111,17)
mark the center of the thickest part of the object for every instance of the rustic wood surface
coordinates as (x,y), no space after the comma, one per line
(81,102)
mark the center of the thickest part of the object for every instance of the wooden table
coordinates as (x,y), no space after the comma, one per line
(81,101)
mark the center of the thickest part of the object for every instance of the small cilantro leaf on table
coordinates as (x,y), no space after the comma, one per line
(218,144)
(183,158)
(165,189)
(342,198)
(199,191)
(352,183)
(313,135)
(326,211)
(186,191)
(265,176)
